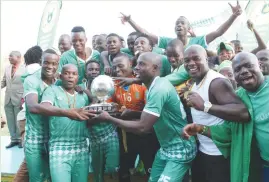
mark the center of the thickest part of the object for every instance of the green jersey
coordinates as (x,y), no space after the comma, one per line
(166,67)
(155,49)
(260,103)
(63,130)
(163,102)
(70,57)
(127,51)
(200,40)
(178,76)
(36,128)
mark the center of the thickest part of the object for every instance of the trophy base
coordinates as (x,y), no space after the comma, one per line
(112,109)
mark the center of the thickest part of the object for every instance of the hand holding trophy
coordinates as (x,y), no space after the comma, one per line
(102,87)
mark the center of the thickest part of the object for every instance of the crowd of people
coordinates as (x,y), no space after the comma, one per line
(188,113)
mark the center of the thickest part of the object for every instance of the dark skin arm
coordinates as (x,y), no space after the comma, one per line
(48,110)
(104,59)
(225,104)
(226,25)
(127,81)
(137,28)
(261,44)
(194,129)
(144,125)
(88,93)
(131,114)
(90,96)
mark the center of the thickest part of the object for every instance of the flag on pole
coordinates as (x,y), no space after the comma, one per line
(48,24)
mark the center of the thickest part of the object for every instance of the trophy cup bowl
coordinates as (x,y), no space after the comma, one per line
(102,87)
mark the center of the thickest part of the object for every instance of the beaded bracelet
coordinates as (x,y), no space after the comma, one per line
(205,129)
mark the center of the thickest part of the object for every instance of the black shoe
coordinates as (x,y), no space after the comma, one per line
(12,144)
(20,145)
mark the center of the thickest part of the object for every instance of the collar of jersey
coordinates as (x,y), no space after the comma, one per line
(153,83)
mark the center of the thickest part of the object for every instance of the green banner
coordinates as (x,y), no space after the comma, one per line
(48,24)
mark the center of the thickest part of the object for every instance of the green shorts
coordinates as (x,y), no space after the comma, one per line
(168,170)
(69,163)
(37,160)
(105,157)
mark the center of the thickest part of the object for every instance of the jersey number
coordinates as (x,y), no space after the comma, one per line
(164,178)
(127,97)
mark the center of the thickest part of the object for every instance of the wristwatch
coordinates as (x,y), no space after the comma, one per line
(207,106)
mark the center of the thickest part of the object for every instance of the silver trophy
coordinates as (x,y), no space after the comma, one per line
(102,87)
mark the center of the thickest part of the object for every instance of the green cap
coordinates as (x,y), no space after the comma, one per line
(226,46)
(225,64)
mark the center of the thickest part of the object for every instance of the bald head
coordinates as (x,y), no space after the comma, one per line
(69,67)
(16,53)
(15,57)
(148,66)
(65,36)
(122,57)
(151,57)
(196,48)
(195,62)
(245,57)
(176,43)
(263,54)
(263,57)
(100,43)
(69,76)
(247,71)
(64,43)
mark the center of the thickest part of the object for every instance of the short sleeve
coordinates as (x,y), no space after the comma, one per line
(30,86)
(179,76)
(163,42)
(200,40)
(96,55)
(155,101)
(49,95)
(166,66)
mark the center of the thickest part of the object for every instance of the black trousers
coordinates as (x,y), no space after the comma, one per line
(146,146)
(209,168)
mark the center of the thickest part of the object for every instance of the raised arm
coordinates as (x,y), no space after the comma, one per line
(261,44)
(137,28)
(226,25)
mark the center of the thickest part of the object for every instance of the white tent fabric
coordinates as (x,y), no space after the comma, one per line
(256,11)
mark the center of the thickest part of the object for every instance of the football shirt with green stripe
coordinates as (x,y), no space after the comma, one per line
(70,57)
(200,40)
